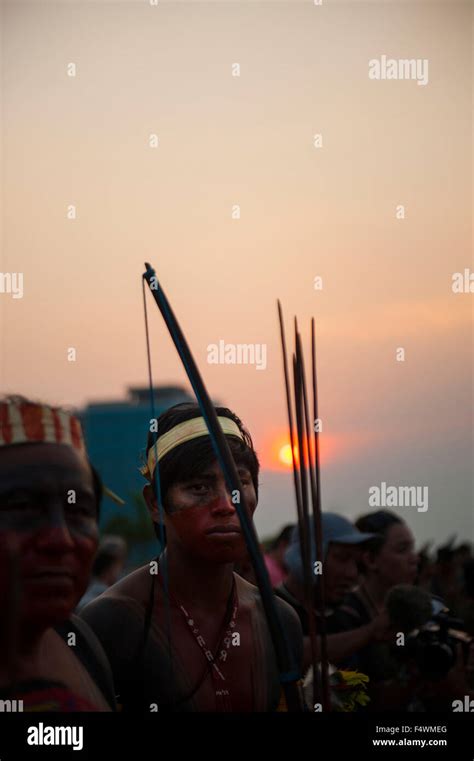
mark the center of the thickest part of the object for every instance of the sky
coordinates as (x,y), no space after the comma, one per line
(379,207)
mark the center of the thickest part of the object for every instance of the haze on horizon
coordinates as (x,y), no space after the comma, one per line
(305,212)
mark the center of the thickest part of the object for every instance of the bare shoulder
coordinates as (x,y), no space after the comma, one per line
(122,605)
(249,594)
(135,585)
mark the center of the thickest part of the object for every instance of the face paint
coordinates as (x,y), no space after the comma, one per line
(47,508)
(203,520)
(50,497)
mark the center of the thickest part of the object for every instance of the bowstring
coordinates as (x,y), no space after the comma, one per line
(157,485)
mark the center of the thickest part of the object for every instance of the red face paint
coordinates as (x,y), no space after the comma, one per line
(203,519)
(48,519)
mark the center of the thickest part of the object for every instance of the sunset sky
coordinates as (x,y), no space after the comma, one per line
(247,140)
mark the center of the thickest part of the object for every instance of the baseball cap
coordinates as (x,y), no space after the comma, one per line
(335,528)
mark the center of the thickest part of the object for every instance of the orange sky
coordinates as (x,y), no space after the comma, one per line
(248,140)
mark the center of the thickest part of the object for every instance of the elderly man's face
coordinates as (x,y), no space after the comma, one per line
(48,520)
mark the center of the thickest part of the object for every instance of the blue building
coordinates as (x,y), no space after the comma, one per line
(116,433)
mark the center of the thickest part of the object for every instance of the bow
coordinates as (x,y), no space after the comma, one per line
(288,673)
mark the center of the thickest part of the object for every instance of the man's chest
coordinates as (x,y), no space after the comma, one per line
(214,663)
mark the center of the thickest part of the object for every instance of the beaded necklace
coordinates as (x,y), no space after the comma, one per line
(221,687)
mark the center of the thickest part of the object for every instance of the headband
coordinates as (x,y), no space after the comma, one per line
(182,432)
(24,422)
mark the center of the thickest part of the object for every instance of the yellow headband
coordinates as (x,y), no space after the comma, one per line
(186,431)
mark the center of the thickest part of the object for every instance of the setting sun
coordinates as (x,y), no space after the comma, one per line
(275,448)
(285,455)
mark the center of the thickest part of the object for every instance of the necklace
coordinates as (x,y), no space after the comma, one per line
(215,661)
(223,701)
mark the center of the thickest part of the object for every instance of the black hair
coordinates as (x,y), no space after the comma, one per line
(445,555)
(103,560)
(111,550)
(188,460)
(378,522)
(283,536)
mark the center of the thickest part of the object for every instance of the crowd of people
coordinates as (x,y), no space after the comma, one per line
(377,587)
(188,630)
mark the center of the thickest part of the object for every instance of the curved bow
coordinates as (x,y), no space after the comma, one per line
(288,671)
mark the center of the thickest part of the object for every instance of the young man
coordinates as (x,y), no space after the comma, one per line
(49,500)
(193,636)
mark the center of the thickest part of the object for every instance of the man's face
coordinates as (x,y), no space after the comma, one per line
(340,571)
(48,515)
(202,518)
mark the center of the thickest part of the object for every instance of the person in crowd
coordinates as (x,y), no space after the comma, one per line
(466,609)
(185,632)
(342,544)
(49,504)
(389,560)
(445,583)
(424,578)
(107,568)
(275,556)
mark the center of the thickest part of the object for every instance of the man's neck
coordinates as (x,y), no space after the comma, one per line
(197,585)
